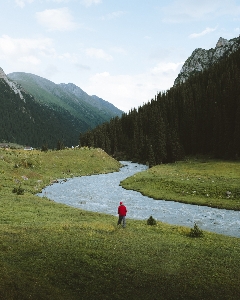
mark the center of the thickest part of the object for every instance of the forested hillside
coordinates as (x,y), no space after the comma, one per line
(39,113)
(200,116)
(67,97)
(28,122)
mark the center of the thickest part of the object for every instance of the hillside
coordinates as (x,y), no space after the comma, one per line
(67,96)
(37,112)
(25,121)
(198,116)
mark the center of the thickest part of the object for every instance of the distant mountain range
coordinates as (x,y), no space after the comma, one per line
(36,111)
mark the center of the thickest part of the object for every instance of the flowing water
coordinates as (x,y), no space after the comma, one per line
(102,193)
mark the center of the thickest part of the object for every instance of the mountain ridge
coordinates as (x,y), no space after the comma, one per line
(36,112)
(69,96)
(201,59)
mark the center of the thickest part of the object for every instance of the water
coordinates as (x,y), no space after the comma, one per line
(102,193)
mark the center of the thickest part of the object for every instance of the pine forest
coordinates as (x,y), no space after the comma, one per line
(199,116)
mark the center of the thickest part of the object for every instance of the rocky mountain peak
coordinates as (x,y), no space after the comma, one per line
(202,59)
(221,42)
(12,84)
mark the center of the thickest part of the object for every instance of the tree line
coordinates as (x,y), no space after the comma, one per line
(199,116)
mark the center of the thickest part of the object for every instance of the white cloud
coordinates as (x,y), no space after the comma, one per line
(118,50)
(188,10)
(113,15)
(90,2)
(22,3)
(30,60)
(165,67)
(56,19)
(204,32)
(25,50)
(60,1)
(121,90)
(98,53)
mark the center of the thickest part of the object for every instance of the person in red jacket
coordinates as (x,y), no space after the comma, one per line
(122,211)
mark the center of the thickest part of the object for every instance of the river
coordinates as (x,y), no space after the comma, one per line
(102,193)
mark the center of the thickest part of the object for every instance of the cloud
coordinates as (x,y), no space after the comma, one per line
(118,50)
(82,67)
(90,2)
(10,46)
(25,50)
(98,53)
(113,15)
(57,19)
(30,60)
(204,32)
(22,3)
(187,10)
(121,90)
(166,67)
(60,1)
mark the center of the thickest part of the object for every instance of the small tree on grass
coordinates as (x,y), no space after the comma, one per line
(195,231)
(151,221)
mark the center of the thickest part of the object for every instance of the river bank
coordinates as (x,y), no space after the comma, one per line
(102,193)
(212,183)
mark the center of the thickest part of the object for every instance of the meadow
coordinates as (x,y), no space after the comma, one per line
(53,251)
(214,183)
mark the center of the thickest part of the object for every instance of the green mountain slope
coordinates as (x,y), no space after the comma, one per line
(25,121)
(67,97)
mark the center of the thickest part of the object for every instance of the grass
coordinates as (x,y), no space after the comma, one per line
(202,182)
(53,251)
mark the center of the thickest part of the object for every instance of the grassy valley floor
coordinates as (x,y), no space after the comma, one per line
(194,181)
(53,251)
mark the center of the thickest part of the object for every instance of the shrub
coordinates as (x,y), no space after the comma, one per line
(195,231)
(151,221)
(18,190)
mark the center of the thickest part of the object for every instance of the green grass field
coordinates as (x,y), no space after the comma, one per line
(194,181)
(52,251)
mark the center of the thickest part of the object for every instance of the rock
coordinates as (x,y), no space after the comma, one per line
(202,59)
(14,86)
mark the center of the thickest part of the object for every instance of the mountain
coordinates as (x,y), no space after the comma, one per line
(90,109)
(202,59)
(200,116)
(46,118)
(95,101)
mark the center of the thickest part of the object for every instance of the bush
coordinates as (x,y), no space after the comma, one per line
(18,190)
(195,231)
(151,221)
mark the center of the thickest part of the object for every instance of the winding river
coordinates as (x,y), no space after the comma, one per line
(102,193)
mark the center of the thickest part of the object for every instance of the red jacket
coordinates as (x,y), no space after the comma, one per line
(122,210)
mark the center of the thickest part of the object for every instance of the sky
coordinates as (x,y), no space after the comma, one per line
(124,51)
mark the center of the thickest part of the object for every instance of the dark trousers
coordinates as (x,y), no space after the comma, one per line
(122,219)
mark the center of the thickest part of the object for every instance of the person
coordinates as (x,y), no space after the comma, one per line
(122,212)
